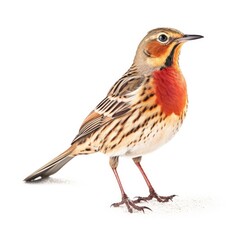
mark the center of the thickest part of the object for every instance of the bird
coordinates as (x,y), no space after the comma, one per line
(142,111)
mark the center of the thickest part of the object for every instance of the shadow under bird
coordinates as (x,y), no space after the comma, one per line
(142,111)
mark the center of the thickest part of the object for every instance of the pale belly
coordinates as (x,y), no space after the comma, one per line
(136,139)
(158,136)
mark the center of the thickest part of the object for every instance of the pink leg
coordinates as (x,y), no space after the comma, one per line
(125,200)
(152,192)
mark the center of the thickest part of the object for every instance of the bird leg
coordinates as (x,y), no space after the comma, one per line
(152,192)
(125,200)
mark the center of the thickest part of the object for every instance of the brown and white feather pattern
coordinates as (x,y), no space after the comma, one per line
(114,105)
(142,111)
(128,121)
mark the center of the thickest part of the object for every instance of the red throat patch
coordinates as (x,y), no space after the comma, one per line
(171,90)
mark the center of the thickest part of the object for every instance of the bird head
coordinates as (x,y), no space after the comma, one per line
(161,47)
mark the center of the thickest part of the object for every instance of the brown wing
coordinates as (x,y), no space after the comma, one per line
(116,104)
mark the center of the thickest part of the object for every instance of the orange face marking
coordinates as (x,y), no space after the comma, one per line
(156,49)
(170,90)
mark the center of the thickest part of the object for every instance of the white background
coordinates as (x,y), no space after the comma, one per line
(58,59)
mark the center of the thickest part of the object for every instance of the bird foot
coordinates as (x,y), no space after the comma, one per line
(130,205)
(152,195)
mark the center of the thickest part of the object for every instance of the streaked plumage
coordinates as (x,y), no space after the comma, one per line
(141,112)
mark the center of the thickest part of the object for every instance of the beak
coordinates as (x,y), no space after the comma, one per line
(188,37)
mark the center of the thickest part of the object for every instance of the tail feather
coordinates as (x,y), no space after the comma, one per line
(53,166)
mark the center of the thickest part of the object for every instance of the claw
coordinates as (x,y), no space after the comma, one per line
(164,199)
(130,205)
(172,196)
(139,199)
(152,195)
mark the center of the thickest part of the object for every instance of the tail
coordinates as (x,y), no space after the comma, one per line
(53,166)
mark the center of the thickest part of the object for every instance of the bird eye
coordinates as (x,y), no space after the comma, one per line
(163,38)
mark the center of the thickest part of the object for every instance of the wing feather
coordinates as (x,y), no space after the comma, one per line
(114,105)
